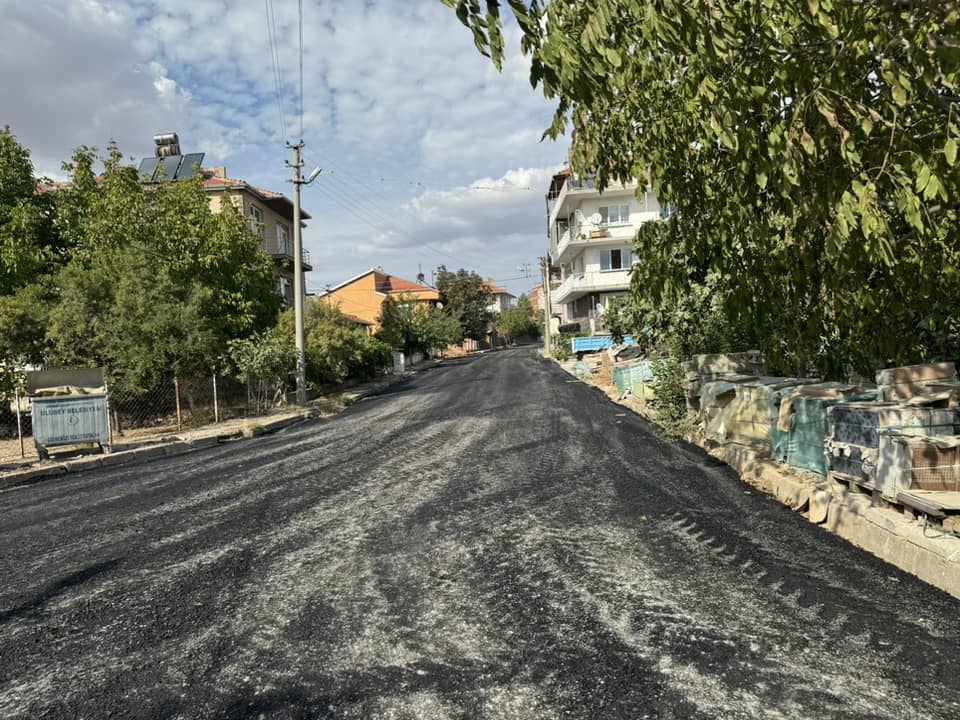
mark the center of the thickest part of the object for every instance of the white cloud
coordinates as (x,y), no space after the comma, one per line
(399,108)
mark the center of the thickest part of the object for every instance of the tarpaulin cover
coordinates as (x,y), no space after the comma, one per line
(918,463)
(750,415)
(803,447)
(625,375)
(903,383)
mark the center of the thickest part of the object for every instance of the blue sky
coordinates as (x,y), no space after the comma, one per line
(429,156)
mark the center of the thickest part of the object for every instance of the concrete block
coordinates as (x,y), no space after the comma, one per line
(820,499)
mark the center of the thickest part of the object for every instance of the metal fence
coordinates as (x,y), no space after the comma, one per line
(174,405)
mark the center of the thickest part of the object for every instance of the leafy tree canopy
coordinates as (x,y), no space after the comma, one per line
(414,327)
(810,147)
(465,296)
(154,284)
(28,243)
(518,322)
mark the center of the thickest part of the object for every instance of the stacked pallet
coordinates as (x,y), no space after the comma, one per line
(702,369)
(744,410)
(627,374)
(803,445)
(918,463)
(912,382)
(855,431)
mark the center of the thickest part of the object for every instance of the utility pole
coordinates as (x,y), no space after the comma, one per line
(297,164)
(545,274)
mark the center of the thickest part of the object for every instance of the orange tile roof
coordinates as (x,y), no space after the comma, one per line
(494,290)
(399,285)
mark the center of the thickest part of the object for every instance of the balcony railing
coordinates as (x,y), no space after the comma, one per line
(582,283)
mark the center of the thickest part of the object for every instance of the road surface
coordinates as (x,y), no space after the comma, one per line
(490,539)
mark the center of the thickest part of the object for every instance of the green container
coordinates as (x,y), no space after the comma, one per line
(626,375)
(808,430)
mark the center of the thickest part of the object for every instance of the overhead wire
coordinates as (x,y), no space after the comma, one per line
(300,24)
(275,62)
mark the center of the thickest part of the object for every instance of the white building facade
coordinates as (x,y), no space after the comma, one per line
(591,245)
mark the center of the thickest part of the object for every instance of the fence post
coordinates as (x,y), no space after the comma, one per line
(176,392)
(216,404)
(16,395)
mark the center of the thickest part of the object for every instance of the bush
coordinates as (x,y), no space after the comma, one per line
(670,401)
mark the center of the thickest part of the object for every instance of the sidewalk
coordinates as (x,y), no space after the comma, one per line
(144,445)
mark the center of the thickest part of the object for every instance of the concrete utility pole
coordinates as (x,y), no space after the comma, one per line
(298,275)
(545,274)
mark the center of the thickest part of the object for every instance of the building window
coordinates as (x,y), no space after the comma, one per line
(256,221)
(615,215)
(284,288)
(615,259)
(283,240)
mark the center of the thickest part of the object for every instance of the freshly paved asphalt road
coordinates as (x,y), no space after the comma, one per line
(488,540)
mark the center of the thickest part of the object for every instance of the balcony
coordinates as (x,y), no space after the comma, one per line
(589,282)
(282,252)
(581,236)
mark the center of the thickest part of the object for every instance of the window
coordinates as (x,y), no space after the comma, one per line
(256,221)
(615,215)
(283,240)
(615,259)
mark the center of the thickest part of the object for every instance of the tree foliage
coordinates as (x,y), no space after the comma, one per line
(810,147)
(29,245)
(411,327)
(335,348)
(148,282)
(518,322)
(465,296)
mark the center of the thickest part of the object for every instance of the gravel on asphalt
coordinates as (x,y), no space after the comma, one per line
(484,540)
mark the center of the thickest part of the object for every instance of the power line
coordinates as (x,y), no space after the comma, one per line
(275,62)
(300,22)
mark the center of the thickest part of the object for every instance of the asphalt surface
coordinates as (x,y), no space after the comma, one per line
(490,539)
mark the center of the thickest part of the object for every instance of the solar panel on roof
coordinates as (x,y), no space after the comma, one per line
(148,167)
(188,168)
(168,168)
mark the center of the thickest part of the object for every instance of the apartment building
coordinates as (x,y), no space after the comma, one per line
(591,245)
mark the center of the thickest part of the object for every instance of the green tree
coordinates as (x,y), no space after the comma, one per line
(518,322)
(28,243)
(465,296)
(155,284)
(808,146)
(336,350)
(411,327)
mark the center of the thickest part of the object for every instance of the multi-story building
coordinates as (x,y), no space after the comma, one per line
(591,245)
(270,213)
(500,299)
(361,298)
(271,219)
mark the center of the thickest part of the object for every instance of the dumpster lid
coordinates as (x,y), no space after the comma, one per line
(66,381)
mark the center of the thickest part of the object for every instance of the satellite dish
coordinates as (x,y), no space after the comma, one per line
(596,218)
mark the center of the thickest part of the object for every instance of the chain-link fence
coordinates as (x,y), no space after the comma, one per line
(174,405)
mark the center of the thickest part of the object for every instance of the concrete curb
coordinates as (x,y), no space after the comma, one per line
(165,447)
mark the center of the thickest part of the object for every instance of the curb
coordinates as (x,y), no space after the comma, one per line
(172,445)
(165,447)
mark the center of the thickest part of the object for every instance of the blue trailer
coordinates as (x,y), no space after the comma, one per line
(596,342)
